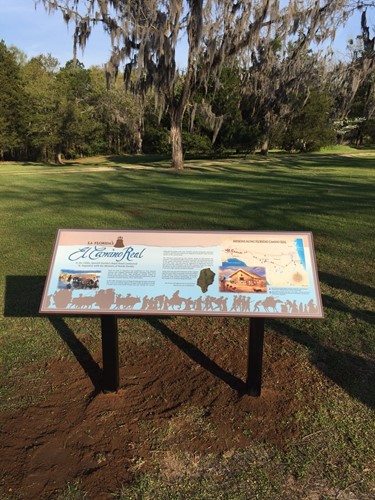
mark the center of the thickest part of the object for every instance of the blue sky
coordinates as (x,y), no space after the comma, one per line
(35,32)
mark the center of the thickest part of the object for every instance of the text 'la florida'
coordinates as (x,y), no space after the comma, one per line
(128,254)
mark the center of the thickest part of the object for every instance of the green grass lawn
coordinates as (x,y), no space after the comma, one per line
(331,194)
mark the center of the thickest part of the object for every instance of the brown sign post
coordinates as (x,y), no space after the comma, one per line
(110,354)
(214,273)
(255,357)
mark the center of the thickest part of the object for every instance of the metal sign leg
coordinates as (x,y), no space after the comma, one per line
(111,373)
(255,357)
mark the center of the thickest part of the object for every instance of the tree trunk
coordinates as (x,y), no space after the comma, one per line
(266,134)
(138,135)
(265,147)
(137,142)
(176,142)
(59,159)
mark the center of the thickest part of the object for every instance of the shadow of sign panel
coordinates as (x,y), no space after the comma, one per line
(23,295)
(183,273)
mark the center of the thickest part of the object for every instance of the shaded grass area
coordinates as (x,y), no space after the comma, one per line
(330,194)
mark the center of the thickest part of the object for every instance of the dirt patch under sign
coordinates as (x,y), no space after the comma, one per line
(177,394)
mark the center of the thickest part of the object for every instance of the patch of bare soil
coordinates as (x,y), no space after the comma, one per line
(174,396)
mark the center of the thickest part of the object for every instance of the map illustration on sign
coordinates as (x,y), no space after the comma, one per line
(182,272)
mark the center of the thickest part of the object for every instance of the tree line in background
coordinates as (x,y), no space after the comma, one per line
(297,100)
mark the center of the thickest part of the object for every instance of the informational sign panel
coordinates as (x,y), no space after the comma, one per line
(183,273)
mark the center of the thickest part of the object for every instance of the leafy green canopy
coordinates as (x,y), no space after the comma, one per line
(145,34)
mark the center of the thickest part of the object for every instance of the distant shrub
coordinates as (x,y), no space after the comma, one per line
(196,143)
(156,140)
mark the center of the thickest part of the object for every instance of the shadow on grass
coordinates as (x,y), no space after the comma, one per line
(23,295)
(353,373)
(198,356)
(159,161)
(346,284)
(80,352)
(332,303)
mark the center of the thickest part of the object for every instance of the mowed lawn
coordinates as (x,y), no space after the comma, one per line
(331,194)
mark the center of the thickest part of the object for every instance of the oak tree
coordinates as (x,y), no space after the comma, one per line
(145,35)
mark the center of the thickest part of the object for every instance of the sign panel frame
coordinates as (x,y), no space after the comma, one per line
(165,272)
